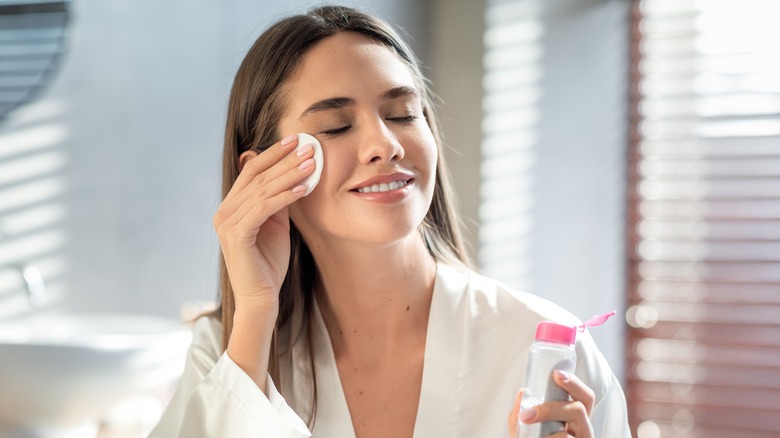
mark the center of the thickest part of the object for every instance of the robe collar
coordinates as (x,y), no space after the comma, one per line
(437,412)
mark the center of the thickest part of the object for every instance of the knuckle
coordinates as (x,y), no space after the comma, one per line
(252,164)
(218,219)
(232,235)
(579,407)
(224,233)
(258,196)
(259,181)
(590,396)
(221,229)
(259,209)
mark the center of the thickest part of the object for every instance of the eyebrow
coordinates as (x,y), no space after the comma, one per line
(401,91)
(341,102)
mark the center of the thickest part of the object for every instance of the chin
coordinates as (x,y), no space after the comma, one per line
(380,231)
(389,235)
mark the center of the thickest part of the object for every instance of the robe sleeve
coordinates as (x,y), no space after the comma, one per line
(216,398)
(609,416)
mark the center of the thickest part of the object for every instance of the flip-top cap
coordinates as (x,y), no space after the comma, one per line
(549,331)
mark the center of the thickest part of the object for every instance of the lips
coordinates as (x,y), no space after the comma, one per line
(383,183)
(378,188)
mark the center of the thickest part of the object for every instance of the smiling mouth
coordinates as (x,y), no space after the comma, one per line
(383,187)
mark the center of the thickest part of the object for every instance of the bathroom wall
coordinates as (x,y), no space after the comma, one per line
(116,168)
(579,240)
(566,241)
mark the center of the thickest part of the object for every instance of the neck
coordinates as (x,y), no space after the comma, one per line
(372,299)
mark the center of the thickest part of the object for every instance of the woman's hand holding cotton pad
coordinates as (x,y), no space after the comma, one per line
(311,181)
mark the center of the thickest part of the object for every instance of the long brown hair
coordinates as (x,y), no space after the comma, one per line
(257,104)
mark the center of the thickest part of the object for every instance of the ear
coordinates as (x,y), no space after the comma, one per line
(244,158)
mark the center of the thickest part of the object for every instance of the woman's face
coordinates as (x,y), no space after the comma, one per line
(360,100)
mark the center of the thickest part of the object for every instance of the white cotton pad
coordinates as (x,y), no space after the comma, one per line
(303,140)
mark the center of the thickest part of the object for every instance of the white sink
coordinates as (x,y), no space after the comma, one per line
(62,372)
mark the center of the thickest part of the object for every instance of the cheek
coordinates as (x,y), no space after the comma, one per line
(433,157)
(429,153)
(334,172)
(308,212)
(334,169)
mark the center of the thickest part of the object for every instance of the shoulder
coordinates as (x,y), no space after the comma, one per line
(492,312)
(498,314)
(207,337)
(492,299)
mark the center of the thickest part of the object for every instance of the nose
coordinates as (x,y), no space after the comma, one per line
(379,144)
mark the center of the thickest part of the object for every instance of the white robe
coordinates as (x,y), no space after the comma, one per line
(479,334)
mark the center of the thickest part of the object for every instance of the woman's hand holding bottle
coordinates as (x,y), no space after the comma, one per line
(575,413)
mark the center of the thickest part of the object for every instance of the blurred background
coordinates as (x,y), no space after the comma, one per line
(607,154)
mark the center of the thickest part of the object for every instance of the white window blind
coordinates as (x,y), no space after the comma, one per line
(704,219)
(555,123)
(511,113)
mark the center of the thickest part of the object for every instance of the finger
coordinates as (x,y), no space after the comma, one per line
(293,159)
(239,194)
(573,413)
(235,207)
(579,425)
(264,160)
(286,177)
(243,235)
(263,203)
(576,388)
(512,420)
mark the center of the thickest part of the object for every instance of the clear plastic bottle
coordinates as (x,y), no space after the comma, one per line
(553,350)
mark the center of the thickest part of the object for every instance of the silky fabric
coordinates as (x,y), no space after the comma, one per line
(478,337)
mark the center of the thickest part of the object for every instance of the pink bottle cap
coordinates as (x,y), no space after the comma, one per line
(549,331)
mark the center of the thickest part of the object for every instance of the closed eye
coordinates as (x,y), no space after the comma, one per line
(345,128)
(337,131)
(407,119)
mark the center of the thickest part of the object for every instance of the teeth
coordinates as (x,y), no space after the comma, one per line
(384,187)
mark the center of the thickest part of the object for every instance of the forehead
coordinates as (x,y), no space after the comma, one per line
(346,64)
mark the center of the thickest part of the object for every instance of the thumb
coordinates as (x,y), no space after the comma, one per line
(513,415)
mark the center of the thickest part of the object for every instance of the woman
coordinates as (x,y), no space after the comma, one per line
(350,311)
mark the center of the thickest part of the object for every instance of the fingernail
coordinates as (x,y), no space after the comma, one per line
(306,164)
(565,377)
(299,189)
(289,139)
(304,150)
(528,415)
